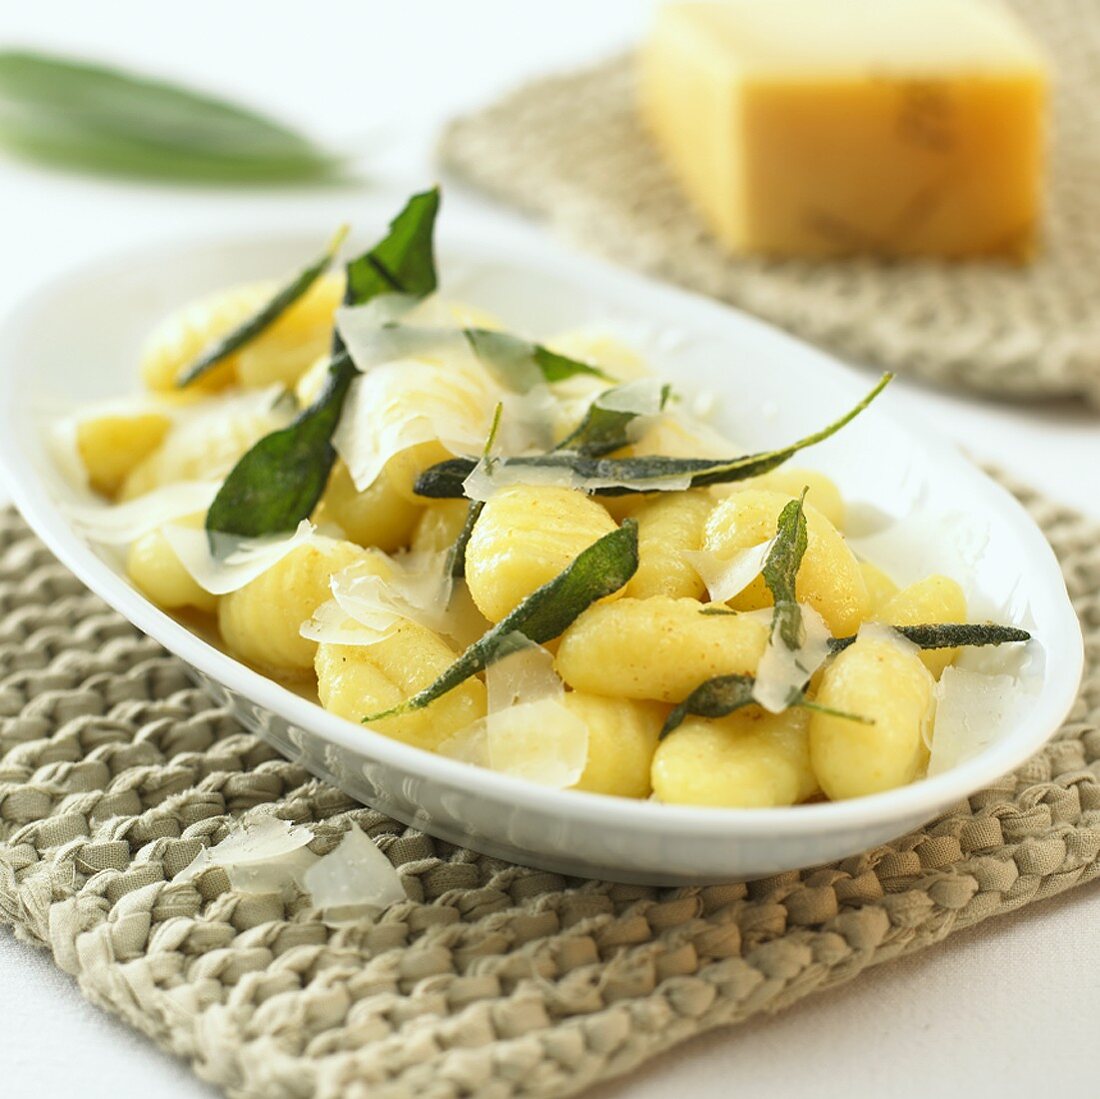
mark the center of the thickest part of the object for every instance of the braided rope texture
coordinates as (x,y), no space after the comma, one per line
(492,980)
(571,148)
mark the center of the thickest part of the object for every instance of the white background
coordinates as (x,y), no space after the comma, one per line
(1011,1007)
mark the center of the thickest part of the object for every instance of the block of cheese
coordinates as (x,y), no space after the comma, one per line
(831,127)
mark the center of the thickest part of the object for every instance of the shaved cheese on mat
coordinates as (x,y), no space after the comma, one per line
(121,524)
(726,577)
(970,709)
(266,855)
(405,403)
(250,557)
(371,597)
(783,671)
(355,875)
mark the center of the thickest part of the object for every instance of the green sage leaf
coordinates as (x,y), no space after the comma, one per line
(780,572)
(266,315)
(444,481)
(603,429)
(724,694)
(948,635)
(279,481)
(97,118)
(598,571)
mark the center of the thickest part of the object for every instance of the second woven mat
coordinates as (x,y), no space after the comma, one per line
(491,980)
(571,148)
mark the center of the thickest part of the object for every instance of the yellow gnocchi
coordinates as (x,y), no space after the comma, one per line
(658,648)
(355,680)
(523,538)
(829,579)
(261,622)
(882,682)
(111,446)
(748,760)
(934,599)
(154,568)
(378,516)
(622,737)
(667,527)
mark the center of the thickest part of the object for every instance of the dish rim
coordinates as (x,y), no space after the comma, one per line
(923,798)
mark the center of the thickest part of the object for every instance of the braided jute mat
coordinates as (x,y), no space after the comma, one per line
(571,148)
(492,980)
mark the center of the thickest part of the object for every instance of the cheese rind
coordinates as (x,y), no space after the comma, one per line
(896,127)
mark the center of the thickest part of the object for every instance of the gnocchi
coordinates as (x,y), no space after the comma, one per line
(413,517)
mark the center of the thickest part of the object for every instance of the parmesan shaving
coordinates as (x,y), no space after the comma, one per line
(264,856)
(970,708)
(782,672)
(121,524)
(355,875)
(405,403)
(528,733)
(726,577)
(373,596)
(249,558)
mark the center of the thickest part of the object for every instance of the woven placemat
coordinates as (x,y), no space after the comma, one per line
(492,980)
(571,148)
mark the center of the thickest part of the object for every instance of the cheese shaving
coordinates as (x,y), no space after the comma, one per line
(726,577)
(249,558)
(528,732)
(970,708)
(402,404)
(782,672)
(372,596)
(267,855)
(354,876)
(121,524)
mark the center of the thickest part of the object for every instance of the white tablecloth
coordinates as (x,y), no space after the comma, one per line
(1009,1008)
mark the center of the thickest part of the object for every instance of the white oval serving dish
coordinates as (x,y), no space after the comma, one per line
(77,340)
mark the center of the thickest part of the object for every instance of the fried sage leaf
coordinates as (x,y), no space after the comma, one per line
(620,476)
(601,569)
(96,118)
(780,572)
(278,482)
(266,315)
(723,694)
(948,635)
(604,429)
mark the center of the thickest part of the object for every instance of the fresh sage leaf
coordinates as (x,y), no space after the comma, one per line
(598,571)
(279,481)
(444,480)
(79,115)
(948,635)
(266,315)
(603,429)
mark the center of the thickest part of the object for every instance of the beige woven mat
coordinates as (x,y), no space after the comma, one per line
(571,148)
(492,980)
